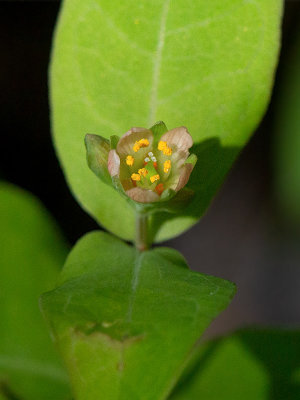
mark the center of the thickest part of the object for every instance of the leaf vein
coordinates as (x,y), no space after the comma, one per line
(157,62)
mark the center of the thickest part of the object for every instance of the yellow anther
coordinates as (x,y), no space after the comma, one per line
(129,160)
(136,146)
(167,151)
(162,145)
(143,172)
(144,142)
(154,178)
(167,166)
(164,148)
(141,143)
(136,177)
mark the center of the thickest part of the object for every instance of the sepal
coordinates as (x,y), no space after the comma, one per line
(158,129)
(114,140)
(192,159)
(170,202)
(97,148)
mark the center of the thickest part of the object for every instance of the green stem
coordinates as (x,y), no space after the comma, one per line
(141,238)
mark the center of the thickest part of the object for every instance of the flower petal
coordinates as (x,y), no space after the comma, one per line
(178,137)
(184,176)
(142,195)
(127,141)
(113,163)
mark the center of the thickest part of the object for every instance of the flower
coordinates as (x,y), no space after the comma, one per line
(148,167)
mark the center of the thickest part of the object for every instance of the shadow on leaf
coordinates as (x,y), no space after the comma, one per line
(260,364)
(214,162)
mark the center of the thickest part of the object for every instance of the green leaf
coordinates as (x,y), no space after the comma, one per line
(251,364)
(207,65)
(287,126)
(126,321)
(31,253)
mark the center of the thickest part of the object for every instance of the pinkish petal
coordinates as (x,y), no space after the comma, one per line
(113,163)
(142,195)
(178,138)
(127,141)
(184,176)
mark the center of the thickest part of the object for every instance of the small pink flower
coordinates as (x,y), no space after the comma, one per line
(147,166)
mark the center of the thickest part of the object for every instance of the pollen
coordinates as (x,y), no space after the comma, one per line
(164,148)
(167,151)
(129,160)
(167,166)
(154,178)
(136,177)
(144,142)
(136,147)
(162,145)
(140,143)
(159,188)
(143,172)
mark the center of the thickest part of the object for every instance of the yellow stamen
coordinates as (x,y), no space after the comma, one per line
(129,160)
(141,143)
(144,142)
(162,145)
(136,146)
(167,166)
(154,178)
(167,151)
(164,148)
(143,172)
(136,177)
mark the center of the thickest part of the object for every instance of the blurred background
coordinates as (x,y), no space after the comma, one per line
(250,234)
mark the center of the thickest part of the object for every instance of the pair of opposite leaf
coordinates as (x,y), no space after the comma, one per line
(147,166)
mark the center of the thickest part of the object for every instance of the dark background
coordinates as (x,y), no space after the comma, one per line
(243,237)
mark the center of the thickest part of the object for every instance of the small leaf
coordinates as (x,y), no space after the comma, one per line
(97,149)
(126,321)
(251,364)
(208,66)
(31,254)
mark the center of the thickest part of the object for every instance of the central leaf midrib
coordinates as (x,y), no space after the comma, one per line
(157,62)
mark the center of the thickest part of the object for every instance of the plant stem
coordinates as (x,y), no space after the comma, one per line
(141,238)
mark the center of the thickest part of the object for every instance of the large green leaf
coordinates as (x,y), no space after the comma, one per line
(125,321)
(251,364)
(287,126)
(207,65)
(31,253)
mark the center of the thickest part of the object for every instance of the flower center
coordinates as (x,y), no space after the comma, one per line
(148,177)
